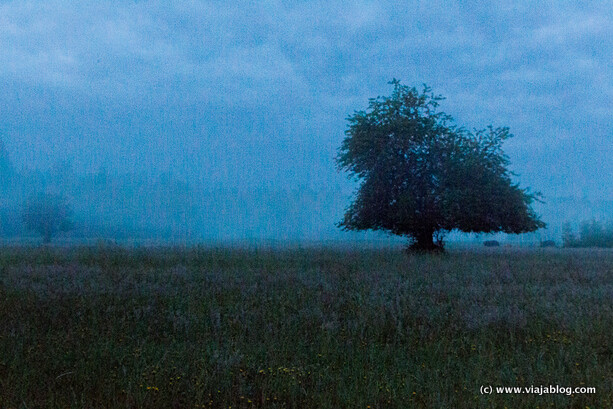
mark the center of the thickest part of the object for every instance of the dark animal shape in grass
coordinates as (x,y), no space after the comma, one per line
(548,243)
(491,243)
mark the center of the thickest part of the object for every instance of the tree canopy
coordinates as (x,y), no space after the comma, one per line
(422,176)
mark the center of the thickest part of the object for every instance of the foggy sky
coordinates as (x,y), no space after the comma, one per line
(235,94)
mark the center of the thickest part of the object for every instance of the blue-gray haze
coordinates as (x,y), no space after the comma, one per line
(209,120)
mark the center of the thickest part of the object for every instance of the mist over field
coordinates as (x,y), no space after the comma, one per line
(167,208)
(201,121)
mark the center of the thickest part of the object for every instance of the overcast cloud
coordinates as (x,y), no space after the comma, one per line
(234,93)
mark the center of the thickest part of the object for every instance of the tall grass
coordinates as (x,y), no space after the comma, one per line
(322,328)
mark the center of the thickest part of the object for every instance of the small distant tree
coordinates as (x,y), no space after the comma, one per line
(47,215)
(569,239)
(422,176)
(592,233)
(596,234)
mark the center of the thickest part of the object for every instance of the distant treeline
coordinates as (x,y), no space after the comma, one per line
(592,233)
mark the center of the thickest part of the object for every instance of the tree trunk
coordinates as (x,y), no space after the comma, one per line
(424,242)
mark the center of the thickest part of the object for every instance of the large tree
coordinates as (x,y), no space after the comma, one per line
(422,176)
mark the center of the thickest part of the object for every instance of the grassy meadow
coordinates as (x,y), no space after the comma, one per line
(107,327)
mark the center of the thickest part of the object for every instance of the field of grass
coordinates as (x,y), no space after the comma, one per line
(304,328)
